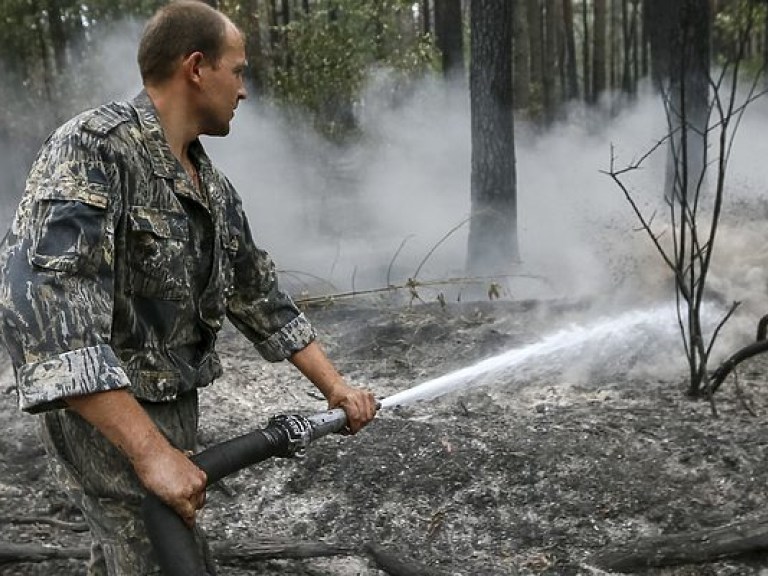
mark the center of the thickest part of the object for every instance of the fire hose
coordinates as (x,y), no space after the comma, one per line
(284,436)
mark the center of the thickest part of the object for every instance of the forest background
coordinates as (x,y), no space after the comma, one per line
(358,131)
(355,155)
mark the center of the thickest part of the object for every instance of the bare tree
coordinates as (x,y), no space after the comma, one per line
(686,241)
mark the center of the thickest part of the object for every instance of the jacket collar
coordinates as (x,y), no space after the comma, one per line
(164,163)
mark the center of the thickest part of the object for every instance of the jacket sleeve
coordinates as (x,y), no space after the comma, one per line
(56,275)
(257,306)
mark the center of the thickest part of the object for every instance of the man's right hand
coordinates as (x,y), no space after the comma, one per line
(174,478)
(161,468)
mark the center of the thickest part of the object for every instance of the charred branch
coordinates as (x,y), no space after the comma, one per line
(686,548)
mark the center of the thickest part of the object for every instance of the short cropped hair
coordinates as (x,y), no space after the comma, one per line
(175,31)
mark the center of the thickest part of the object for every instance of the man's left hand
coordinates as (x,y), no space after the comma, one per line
(358,404)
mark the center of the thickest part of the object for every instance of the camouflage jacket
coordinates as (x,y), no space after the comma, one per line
(118,273)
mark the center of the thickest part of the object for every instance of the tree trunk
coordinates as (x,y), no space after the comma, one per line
(521,58)
(765,50)
(689,97)
(599,51)
(286,12)
(378,26)
(644,39)
(449,38)
(662,19)
(627,30)
(426,20)
(254,49)
(585,44)
(274,32)
(536,52)
(58,36)
(48,75)
(550,62)
(613,51)
(634,26)
(571,71)
(493,247)
(285,45)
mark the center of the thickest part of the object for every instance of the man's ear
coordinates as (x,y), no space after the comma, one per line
(191,64)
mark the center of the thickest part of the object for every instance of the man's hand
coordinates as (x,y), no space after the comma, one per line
(161,468)
(359,404)
(174,478)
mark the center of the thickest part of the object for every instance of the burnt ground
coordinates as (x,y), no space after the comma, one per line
(532,474)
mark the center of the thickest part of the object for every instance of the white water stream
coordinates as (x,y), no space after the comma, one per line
(628,333)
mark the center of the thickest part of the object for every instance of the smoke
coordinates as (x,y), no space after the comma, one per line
(394,204)
(106,71)
(363,214)
(398,201)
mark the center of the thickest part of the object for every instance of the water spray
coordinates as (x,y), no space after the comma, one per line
(289,435)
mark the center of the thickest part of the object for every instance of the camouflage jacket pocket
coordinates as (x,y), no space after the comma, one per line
(71,235)
(157,255)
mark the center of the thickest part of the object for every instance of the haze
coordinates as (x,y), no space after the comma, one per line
(337,219)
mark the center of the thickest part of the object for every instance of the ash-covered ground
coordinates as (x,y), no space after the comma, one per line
(585,440)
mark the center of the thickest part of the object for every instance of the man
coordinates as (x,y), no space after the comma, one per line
(127,251)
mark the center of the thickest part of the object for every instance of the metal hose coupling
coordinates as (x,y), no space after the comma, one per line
(299,431)
(296,431)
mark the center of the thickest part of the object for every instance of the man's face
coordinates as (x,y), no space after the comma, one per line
(223,86)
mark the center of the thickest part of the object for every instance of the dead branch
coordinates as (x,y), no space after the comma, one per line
(410,285)
(74,526)
(11,552)
(296,274)
(397,253)
(397,564)
(686,548)
(727,366)
(435,247)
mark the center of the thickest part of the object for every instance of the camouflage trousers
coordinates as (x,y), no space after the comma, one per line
(102,483)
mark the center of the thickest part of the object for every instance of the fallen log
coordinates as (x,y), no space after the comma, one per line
(692,547)
(244,551)
(230,552)
(239,553)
